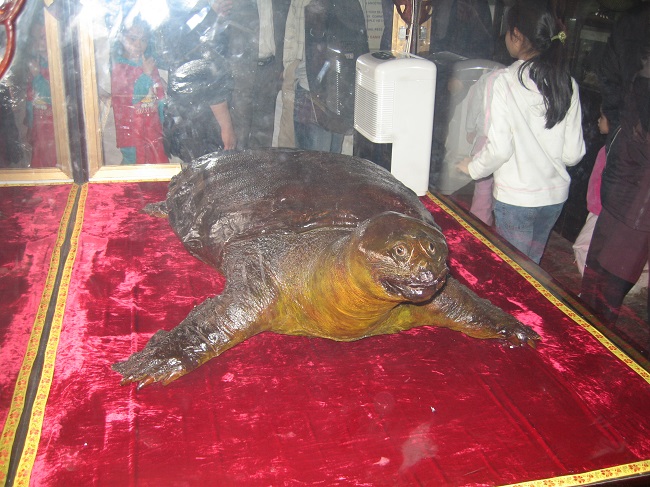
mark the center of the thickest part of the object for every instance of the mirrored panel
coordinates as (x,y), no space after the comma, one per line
(34,131)
(167,82)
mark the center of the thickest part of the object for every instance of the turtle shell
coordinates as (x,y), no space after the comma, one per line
(228,196)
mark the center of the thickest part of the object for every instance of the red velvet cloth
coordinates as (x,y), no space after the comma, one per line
(424,407)
(29,228)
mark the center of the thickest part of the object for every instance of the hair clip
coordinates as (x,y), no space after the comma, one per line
(561,36)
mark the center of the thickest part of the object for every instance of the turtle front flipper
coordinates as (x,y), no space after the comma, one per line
(460,309)
(211,328)
(161,360)
(464,311)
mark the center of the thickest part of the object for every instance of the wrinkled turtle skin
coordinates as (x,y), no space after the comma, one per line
(314,244)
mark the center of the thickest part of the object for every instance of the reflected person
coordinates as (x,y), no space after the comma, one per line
(463,27)
(620,245)
(323,39)
(39,115)
(255,41)
(197,118)
(137,94)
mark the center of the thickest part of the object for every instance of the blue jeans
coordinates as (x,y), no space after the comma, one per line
(527,229)
(310,136)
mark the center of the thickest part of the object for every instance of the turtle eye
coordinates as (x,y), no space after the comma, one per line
(431,247)
(400,250)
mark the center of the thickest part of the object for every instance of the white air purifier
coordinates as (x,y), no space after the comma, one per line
(393,110)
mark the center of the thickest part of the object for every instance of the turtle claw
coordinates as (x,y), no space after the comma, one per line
(159,361)
(519,335)
(146,372)
(145,382)
(532,343)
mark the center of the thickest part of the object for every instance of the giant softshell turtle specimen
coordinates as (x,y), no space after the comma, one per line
(311,243)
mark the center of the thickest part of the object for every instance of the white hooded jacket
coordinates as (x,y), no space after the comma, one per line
(528,161)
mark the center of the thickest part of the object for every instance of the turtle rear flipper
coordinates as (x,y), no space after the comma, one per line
(159,209)
(211,328)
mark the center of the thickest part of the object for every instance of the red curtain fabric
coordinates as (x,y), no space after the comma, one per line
(30,228)
(424,407)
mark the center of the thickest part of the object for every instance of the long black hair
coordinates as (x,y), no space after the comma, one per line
(548,68)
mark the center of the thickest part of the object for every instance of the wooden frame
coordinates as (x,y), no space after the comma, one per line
(94,125)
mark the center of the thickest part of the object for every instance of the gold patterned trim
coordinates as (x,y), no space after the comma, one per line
(38,410)
(20,389)
(33,436)
(611,473)
(546,293)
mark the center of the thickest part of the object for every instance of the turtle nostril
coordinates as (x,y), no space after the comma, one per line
(425,275)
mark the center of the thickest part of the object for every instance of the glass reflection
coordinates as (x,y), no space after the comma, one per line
(38,107)
(137,96)
(225,74)
(26,120)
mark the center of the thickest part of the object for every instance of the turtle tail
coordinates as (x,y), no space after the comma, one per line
(159,209)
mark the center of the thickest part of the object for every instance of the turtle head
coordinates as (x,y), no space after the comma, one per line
(405,256)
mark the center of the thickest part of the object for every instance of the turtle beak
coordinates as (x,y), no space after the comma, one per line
(419,287)
(425,275)
(428,270)
(425,284)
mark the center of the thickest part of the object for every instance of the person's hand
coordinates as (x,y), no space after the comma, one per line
(229,138)
(463,165)
(221,112)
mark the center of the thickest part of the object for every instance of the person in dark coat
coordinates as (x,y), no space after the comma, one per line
(255,43)
(620,246)
(197,118)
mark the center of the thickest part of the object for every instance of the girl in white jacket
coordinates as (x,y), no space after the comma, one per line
(534,131)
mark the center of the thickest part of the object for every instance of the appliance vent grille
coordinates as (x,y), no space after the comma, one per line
(373,109)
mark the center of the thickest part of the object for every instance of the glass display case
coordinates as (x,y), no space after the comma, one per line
(35,130)
(104,111)
(591,35)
